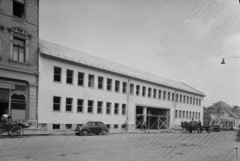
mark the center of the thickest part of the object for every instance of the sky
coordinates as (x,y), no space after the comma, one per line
(182,40)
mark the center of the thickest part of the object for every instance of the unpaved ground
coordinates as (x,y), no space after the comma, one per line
(130,147)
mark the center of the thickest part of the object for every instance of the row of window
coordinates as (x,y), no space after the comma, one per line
(117,108)
(187,115)
(140,91)
(69,126)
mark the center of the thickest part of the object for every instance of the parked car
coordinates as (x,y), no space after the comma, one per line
(95,127)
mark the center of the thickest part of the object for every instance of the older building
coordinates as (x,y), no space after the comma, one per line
(75,88)
(18,58)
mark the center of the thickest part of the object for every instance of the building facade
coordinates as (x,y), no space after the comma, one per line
(75,88)
(19,37)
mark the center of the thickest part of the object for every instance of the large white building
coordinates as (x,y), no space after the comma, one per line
(75,87)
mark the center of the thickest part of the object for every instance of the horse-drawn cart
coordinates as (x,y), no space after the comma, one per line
(194,126)
(12,128)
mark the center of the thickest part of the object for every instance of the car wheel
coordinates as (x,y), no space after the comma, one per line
(104,132)
(85,133)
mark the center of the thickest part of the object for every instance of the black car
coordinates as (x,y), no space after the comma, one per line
(95,127)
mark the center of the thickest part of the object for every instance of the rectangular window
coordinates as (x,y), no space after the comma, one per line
(180,98)
(193,115)
(176,97)
(56,103)
(184,114)
(154,93)
(90,106)
(173,97)
(116,108)
(69,76)
(80,105)
(190,115)
(149,92)
(18,8)
(115,126)
(190,100)
(184,99)
(143,91)
(123,109)
(138,90)
(198,115)
(187,115)
(68,126)
(56,126)
(117,83)
(159,94)
(80,79)
(19,49)
(187,99)
(180,114)
(124,87)
(131,88)
(109,84)
(169,96)
(108,108)
(91,81)
(69,104)
(193,101)
(57,74)
(100,82)
(176,113)
(99,107)
(164,95)
(199,102)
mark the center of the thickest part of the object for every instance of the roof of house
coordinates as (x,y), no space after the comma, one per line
(62,52)
(223,106)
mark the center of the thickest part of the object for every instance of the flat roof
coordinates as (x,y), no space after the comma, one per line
(62,52)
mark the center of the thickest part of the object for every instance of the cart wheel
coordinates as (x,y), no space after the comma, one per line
(16,131)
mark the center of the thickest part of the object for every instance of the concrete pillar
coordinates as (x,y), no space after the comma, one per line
(144,114)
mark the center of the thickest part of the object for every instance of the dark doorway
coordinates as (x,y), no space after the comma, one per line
(4,101)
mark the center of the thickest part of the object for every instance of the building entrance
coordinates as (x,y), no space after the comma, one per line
(4,101)
(154,118)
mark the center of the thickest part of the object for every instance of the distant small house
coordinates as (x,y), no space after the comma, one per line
(221,114)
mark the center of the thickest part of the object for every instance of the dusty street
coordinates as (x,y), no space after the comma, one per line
(162,147)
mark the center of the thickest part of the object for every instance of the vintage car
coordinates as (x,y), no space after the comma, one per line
(95,127)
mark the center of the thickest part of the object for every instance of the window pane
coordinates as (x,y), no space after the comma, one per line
(21,55)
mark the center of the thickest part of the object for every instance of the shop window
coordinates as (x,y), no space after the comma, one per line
(56,126)
(116,108)
(123,109)
(90,106)
(68,126)
(80,79)
(18,102)
(80,105)
(100,82)
(91,81)
(69,104)
(69,76)
(138,90)
(56,103)
(108,108)
(124,87)
(57,74)
(99,107)
(19,50)
(109,84)
(18,8)
(117,86)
